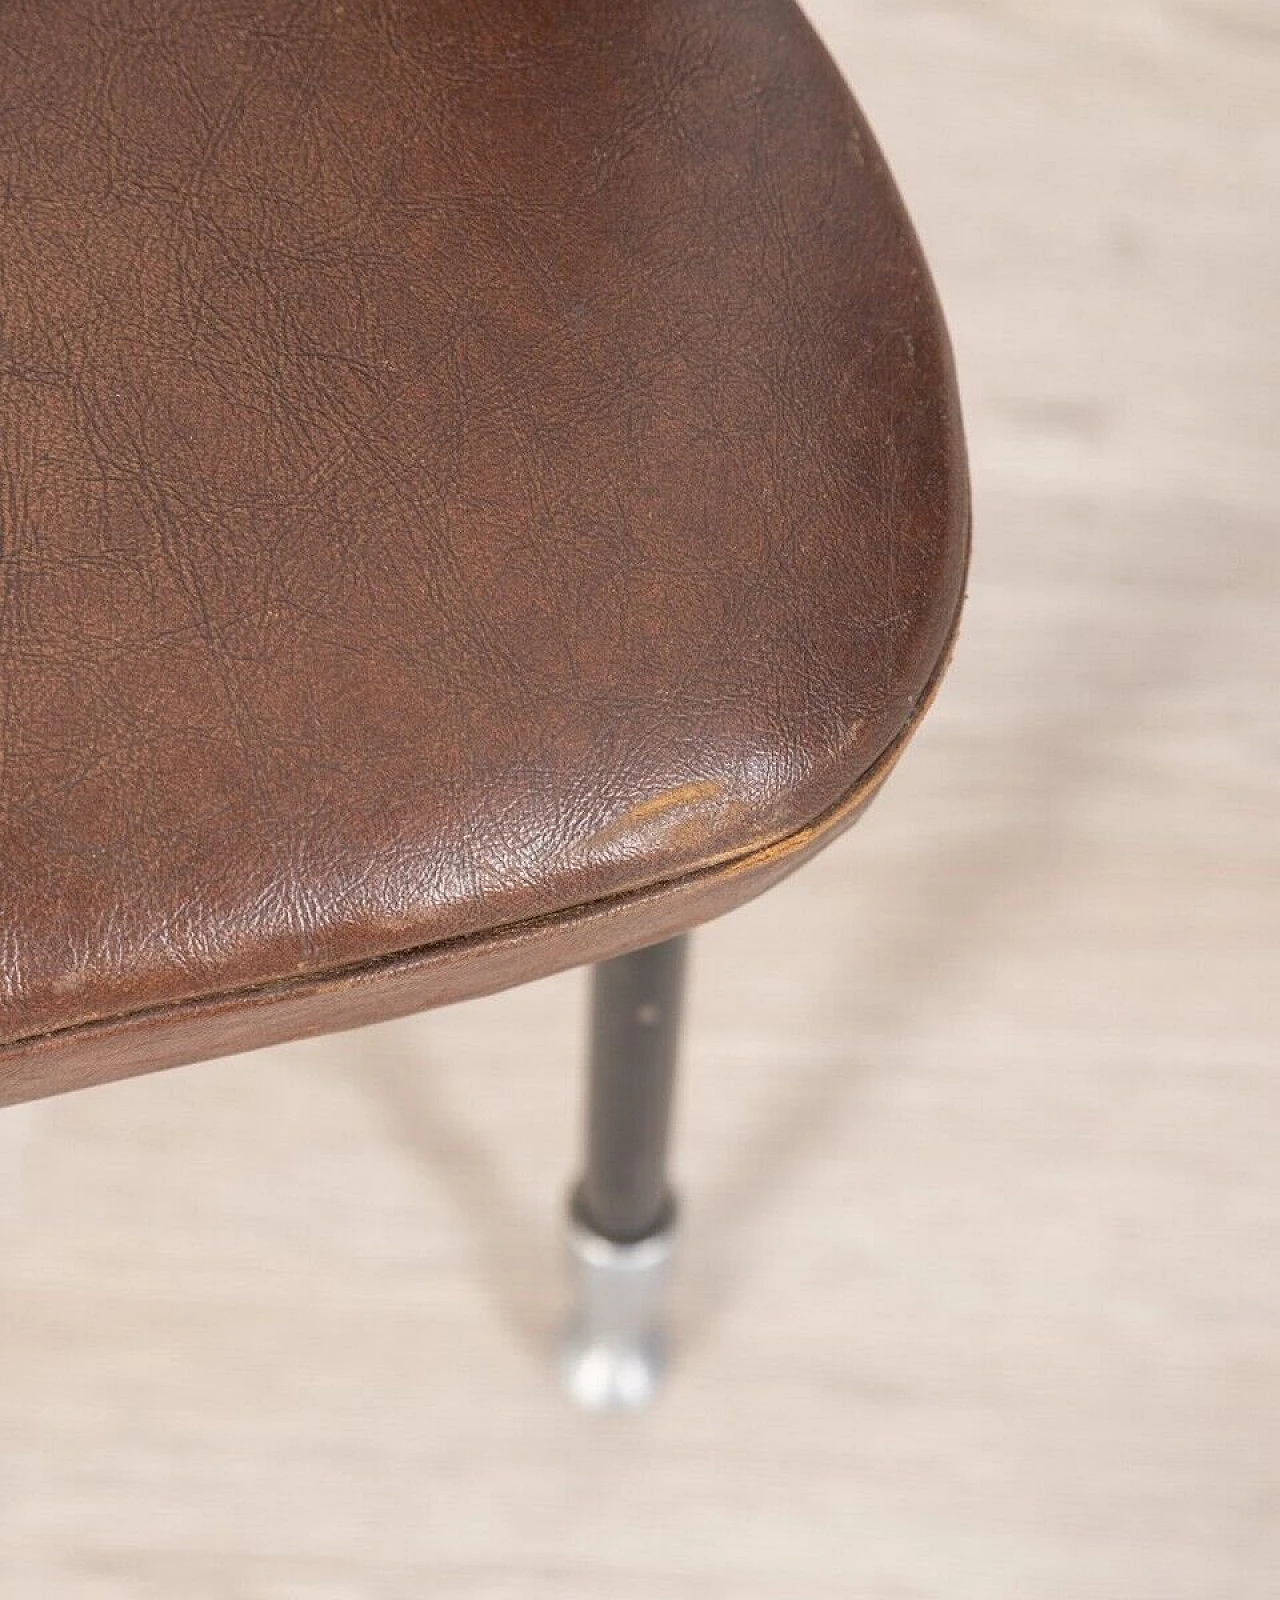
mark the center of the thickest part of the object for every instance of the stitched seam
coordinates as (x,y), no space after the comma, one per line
(758,855)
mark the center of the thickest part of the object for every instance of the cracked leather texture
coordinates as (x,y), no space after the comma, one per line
(481,488)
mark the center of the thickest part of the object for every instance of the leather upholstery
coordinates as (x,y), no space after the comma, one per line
(482,489)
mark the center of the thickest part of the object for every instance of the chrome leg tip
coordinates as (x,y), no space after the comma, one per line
(612,1377)
(613,1356)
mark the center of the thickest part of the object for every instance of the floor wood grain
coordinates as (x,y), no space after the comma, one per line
(981,1292)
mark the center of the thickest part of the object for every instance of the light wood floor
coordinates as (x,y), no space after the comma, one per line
(981,1131)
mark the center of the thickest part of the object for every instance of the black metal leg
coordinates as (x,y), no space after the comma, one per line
(622,1213)
(635,1033)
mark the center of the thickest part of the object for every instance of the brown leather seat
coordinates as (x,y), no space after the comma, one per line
(482,490)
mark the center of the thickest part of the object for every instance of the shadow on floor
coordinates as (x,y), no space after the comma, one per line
(516,1257)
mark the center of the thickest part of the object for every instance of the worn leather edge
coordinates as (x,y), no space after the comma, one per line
(227,1023)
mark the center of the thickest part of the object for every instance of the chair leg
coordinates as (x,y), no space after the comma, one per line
(622,1214)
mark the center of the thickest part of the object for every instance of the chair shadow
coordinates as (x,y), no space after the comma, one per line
(515,1257)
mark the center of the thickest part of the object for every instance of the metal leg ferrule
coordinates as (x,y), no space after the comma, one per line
(614,1353)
